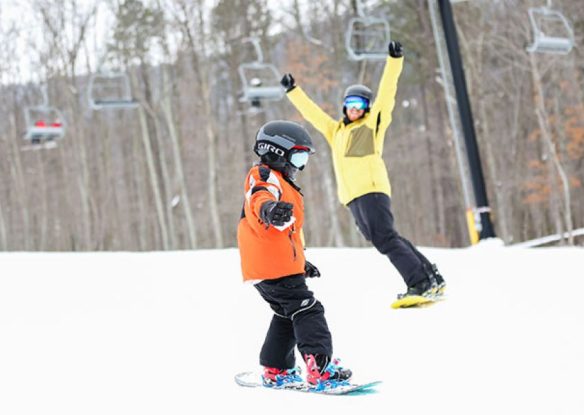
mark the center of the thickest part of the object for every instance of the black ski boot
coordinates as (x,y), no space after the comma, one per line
(425,288)
(438,278)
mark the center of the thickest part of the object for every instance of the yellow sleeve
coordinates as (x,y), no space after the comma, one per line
(385,99)
(312,113)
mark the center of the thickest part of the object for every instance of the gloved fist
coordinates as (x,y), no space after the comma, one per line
(396,50)
(276,213)
(288,82)
(310,271)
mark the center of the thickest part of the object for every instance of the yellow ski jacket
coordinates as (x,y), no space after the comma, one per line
(357,147)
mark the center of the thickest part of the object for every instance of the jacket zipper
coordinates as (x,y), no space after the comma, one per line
(290,232)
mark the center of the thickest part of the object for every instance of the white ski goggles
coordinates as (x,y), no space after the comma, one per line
(299,158)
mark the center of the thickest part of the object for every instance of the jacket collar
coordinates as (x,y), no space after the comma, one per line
(347,121)
(282,176)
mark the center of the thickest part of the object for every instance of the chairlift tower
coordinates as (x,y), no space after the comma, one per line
(478,213)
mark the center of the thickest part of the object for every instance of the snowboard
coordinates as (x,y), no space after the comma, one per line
(254,380)
(417,301)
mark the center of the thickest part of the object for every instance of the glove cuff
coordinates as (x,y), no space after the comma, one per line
(265,209)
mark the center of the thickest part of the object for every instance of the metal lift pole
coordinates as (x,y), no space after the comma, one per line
(474,161)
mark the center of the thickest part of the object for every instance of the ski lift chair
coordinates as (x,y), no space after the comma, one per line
(543,19)
(261,81)
(110,91)
(254,88)
(367,38)
(43,124)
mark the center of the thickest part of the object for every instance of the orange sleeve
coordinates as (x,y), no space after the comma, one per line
(262,186)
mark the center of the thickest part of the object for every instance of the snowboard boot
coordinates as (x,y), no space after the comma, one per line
(431,287)
(273,377)
(425,288)
(440,283)
(324,372)
(435,278)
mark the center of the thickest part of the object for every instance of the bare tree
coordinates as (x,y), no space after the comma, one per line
(543,120)
(169,175)
(192,22)
(136,27)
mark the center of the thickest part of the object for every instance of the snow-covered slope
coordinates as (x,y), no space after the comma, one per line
(164,333)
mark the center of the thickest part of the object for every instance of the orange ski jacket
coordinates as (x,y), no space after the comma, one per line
(265,251)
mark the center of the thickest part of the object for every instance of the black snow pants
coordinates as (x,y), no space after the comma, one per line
(298,321)
(372,213)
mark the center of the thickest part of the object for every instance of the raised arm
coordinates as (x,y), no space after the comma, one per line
(382,108)
(309,110)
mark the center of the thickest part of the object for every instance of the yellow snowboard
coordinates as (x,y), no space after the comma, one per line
(413,301)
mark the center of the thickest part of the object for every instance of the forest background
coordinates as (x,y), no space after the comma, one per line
(169,174)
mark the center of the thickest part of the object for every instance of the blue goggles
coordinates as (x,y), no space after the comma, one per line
(356,102)
(299,158)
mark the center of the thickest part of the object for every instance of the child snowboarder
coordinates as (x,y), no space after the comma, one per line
(270,241)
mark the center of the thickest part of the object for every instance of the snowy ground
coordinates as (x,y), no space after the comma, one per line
(164,333)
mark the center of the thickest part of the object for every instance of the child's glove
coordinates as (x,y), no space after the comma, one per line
(276,213)
(310,271)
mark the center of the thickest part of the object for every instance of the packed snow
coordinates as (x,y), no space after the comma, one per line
(165,333)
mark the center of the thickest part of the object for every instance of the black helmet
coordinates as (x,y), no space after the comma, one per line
(277,141)
(358,90)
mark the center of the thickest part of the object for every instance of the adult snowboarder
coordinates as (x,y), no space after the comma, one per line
(356,142)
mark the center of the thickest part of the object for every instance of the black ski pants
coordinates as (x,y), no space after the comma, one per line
(372,213)
(298,321)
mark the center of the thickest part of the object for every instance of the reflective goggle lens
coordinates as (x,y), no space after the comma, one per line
(299,159)
(356,102)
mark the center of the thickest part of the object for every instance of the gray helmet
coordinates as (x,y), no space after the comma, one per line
(359,91)
(277,140)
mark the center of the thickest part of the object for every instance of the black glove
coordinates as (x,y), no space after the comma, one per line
(276,213)
(396,50)
(288,82)
(310,271)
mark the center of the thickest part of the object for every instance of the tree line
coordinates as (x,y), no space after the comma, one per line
(169,173)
